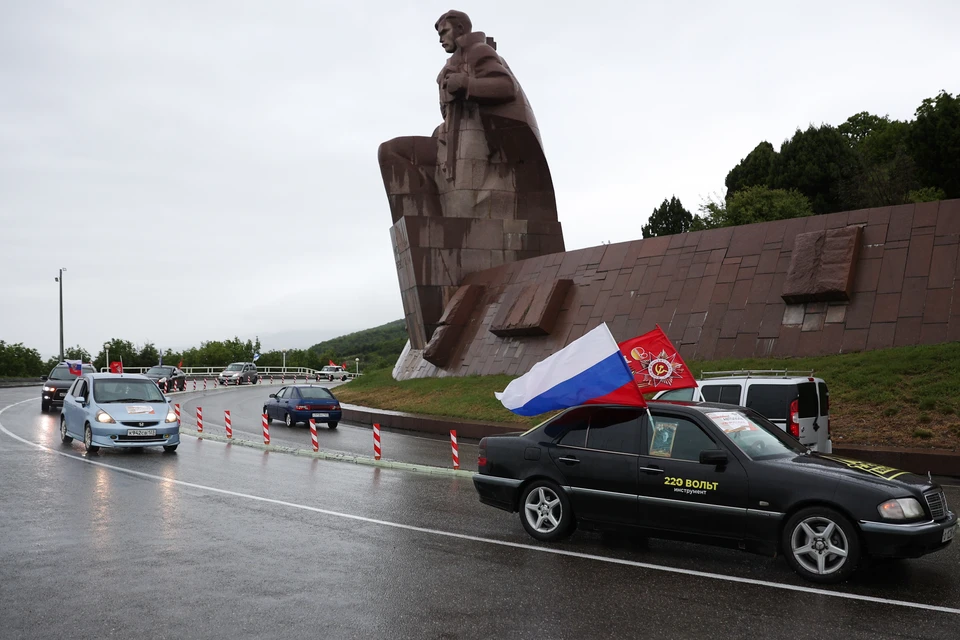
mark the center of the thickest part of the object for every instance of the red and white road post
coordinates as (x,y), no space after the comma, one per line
(204,384)
(376,441)
(199,419)
(313,435)
(266,429)
(453,445)
(176,410)
(194,384)
(226,423)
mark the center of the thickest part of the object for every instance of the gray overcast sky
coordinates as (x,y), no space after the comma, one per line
(206,169)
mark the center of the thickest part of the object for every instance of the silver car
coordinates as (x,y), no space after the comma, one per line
(118,410)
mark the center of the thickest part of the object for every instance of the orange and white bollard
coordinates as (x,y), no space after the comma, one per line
(376,441)
(176,410)
(204,384)
(194,384)
(164,387)
(226,423)
(200,419)
(283,378)
(266,429)
(313,435)
(453,445)
(271,378)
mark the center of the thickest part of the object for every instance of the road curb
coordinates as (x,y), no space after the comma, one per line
(326,455)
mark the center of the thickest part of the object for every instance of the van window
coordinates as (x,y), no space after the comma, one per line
(679,394)
(809,400)
(772,401)
(725,393)
(824,399)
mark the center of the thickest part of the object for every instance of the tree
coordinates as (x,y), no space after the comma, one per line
(883,171)
(935,143)
(753,204)
(18,361)
(77,353)
(667,219)
(815,162)
(753,170)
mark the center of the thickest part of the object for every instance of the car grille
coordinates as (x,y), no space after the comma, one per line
(139,438)
(937,503)
(140,425)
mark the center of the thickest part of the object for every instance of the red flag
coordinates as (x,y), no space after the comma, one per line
(332,363)
(655,362)
(344,365)
(180,366)
(116,367)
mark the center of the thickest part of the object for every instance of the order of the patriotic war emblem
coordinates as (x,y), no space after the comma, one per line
(656,369)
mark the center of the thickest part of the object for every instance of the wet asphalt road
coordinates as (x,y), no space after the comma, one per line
(219,541)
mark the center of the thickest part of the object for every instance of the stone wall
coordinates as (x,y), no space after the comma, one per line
(719,293)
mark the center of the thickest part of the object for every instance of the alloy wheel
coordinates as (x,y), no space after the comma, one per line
(819,545)
(543,510)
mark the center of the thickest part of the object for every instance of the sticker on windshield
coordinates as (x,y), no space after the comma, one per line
(662,442)
(139,408)
(731,421)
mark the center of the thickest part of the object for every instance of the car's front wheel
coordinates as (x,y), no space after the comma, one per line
(44,406)
(88,440)
(545,511)
(169,448)
(821,545)
(64,438)
(289,421)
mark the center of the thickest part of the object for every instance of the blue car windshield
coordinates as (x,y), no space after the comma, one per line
(126,390)
(315,393)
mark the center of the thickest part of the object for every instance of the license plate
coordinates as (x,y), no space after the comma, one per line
(321,415)
(949,533)
(141,432)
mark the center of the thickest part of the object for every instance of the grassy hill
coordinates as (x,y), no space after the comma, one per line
(377,348)
(906,396)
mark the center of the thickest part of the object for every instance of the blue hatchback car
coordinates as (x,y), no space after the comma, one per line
(118,410)
(301,402)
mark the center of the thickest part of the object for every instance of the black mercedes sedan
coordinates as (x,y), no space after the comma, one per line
(711,473)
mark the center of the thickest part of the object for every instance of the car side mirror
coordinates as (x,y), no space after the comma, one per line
(273,395)
(82,400)
(713,456)
(43,378)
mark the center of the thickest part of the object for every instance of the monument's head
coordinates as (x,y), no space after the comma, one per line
(451,26)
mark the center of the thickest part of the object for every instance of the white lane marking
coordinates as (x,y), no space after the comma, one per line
(491,541)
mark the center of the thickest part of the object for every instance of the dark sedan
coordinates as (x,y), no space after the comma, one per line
(168,378)
(716,474)
(300,403)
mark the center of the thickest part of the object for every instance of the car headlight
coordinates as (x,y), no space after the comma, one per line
(49,388)
(171,416)
(102,416)
(901,509)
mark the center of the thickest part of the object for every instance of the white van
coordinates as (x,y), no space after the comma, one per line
(795,401)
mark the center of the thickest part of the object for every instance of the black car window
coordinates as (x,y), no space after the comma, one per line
(824,399)
(725,393)
(576,436)
(615,430)
(771,400)
(284,393)
(678,438)
(81,389)
(558,425)
(809,400)
(678,394)
(293,393)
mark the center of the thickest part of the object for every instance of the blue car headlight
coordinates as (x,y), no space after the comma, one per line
(103,416)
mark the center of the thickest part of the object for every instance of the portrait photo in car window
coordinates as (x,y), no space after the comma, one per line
(661,443)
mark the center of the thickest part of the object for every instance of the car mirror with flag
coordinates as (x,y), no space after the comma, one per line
(589,370)
(655,362)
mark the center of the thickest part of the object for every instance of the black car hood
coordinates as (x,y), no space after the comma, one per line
(857,470)
(59,384)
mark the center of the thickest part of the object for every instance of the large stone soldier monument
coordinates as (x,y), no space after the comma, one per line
(474,195)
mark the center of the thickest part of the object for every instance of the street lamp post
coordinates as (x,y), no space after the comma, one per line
(284,360)
(106,357)
(60,280)
(358,366)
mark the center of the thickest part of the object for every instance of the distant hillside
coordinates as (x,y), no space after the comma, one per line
(377,348)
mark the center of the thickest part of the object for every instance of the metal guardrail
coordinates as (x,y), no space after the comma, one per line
(212,372)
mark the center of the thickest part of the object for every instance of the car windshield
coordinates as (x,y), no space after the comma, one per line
(61,373)
(235,367)
(125,390)
(756,436)
(316,393)
(160,371)
(329,368)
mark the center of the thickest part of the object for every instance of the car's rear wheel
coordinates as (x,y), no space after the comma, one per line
(44,406)
(343,378)
(545,511)
(88,440)
(821,545)
(332,425)
(169,448)
(64,438)
(289,421)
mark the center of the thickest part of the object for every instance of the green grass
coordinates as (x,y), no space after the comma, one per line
(884,392)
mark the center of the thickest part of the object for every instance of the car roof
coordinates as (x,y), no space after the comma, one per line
(110,376)
(766,379)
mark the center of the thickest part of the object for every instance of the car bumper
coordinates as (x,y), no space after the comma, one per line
(116,436)
(889,540)
(498,492)
(324,416)
(53,397)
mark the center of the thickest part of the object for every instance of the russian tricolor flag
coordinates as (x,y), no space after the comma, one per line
(75,367)
(589,370)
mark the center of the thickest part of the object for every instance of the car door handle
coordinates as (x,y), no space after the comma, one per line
(569,460)
(651,470)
